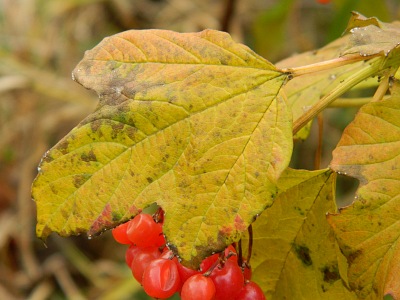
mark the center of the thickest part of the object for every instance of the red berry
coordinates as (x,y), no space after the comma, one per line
(208,262)
(167,254)
(130,254)
(142,259)
(251,291)
(143,231)
(228,280)
(161,278)
(198,287)
(119,234)
(323,1)
(184,272)
(160,240)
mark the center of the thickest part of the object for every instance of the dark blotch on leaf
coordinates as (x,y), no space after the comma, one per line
(90,156)
(80,179)
(63,146)
(352,256)
(117,127)
(95,125)
(303,253)
(149,179)
(330,273)
(115,216)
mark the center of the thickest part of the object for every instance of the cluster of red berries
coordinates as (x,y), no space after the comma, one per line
(154,266)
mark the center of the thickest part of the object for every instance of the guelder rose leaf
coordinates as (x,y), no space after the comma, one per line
(368,231)
(369,36)
(194,122)
(294,243)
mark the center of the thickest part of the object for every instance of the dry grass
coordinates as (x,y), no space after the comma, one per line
(40,43)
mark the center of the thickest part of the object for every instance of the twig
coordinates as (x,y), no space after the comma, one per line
(250,246)
(240,253)
(56,265)
(42,291)
(384,86)
(12,82)
(318,152)
(5,294)
(79,261)
(25,205)
(228,14)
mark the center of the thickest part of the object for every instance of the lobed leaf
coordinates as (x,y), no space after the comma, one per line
(193,122)
(295,255)
(368,231)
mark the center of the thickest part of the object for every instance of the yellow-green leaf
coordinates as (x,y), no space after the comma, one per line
(295,255)
(193,122)
(369,230)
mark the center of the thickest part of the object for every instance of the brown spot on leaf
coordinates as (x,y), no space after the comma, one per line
(131,132)
(352,256)
(62,146)
(80,179)
(95,125)
(303,253)
(330,273)
(88,157)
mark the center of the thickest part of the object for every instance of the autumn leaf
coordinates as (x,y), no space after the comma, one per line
(193,122)
(368,231)
(369,36)
(295,254)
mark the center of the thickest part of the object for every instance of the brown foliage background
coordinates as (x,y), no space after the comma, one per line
(41,42)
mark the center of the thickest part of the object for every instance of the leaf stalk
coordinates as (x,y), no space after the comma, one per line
(326,65)
(372,67)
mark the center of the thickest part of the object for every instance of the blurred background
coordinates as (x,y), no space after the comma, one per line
(41,42)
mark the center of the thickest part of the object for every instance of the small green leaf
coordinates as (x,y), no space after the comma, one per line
(295,255)
(193,122)
(368,231)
